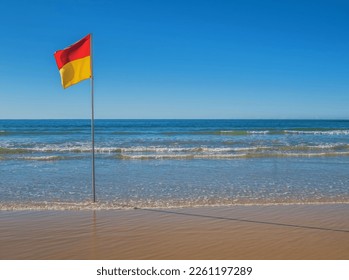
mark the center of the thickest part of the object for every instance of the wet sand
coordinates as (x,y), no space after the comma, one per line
(236,232)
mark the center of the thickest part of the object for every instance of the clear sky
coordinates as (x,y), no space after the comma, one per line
(178,58)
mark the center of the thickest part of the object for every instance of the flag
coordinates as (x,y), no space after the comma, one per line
(74,62)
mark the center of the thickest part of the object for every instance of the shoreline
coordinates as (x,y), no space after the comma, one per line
(257,232)
(106,206)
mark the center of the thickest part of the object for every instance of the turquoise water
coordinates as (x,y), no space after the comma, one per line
(173,163)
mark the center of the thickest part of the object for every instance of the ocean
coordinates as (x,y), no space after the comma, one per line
(46,164)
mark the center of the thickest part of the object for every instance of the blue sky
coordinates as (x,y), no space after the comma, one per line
(179,59)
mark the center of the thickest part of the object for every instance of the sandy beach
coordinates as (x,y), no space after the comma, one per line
(234,232)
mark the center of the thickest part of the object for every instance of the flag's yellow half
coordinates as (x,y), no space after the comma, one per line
(75,71)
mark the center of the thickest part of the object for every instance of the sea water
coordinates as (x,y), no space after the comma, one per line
(46,164)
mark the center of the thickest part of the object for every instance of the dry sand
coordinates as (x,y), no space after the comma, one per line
(235,232)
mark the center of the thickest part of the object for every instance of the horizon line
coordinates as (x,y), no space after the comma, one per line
(154,119)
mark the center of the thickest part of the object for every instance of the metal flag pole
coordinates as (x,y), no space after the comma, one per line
(92,126)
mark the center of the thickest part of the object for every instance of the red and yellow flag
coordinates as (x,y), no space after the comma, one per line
(74,62)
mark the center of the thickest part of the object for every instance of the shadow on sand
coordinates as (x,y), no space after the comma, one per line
(242,220)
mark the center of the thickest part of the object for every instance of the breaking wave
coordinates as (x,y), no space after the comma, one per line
(53,153)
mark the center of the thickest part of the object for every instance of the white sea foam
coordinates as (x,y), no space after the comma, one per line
(136,149)
(183,156)
(258,132)
(232,156)
(317,132)
(44,158)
